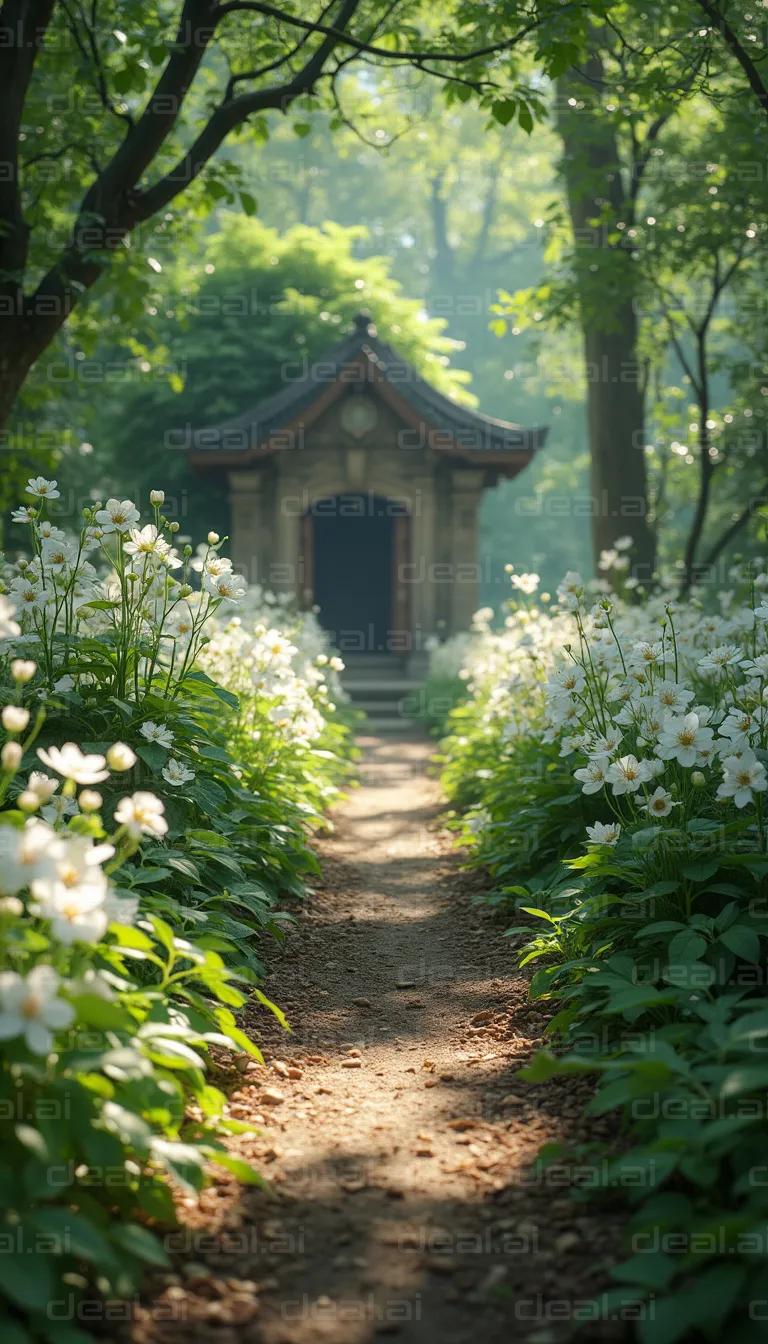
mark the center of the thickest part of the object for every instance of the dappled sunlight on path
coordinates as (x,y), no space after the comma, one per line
(393,1131)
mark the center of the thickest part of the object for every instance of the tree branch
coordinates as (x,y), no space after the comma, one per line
(726,537)
(719,22)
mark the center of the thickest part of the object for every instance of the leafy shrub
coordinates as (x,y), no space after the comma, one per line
(648,724)
(152,816)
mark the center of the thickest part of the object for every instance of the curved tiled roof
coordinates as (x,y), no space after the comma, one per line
(464,429)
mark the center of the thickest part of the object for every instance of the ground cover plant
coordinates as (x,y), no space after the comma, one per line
(165,756)
(609,767)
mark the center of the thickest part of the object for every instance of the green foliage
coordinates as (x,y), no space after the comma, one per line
(132,918)
(251,311)
(649,940)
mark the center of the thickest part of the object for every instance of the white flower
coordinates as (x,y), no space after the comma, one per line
(660,803)
(757,667)
(58,556)
(683,739)
(119,757)
(567,679)
(623,543)
(627,774)
(645,654)
(70,762)
(23,670)
(10,755)
(32,1008)
(14,718)
(606,744)
(527,583)
(25,854)
(592,776)
(570,585)
(602,834)
(739,724)
(157,732)
(157,497)
(672,697)
(42,489)
(725,655)
(228,585)
(73,896)
(742,777)
(177,773)
(48,531)
(9,629)
(117,515)
(146,541)
(29,593)
(607,559)
(142,814)
(217,564)
(25,514)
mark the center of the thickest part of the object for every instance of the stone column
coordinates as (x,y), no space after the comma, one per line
(284,574)
(246,505)
(423,557)
(466,494)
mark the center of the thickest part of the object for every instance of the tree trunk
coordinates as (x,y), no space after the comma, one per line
(604,270)
(615,421)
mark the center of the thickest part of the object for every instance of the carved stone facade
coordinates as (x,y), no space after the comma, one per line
(362,480)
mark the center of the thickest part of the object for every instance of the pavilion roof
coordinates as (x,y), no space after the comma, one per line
(362,360)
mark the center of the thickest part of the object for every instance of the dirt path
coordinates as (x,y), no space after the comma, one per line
(394,1134)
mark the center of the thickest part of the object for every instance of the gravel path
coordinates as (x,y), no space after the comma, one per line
(394,1134)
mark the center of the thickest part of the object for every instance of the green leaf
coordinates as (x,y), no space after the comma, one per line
(153,755)
(686,947)
(248,202)
(76,1232)
(525,118)
(744,942)
(243,1170)
(301,128)
(503,110)
(139,1242)
(26,1278)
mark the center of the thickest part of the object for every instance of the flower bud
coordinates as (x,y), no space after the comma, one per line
(11,755)
(213,538)
(23,670)
(509,569)
(157,496)
(187,550)
(120,757)
(321,659)
(90,800)
(14,718)
(174,527)
(28,801)
(11,906)
(185,590)
(698,779)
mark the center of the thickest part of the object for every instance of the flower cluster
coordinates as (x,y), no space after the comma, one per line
(119,579)
(663,706)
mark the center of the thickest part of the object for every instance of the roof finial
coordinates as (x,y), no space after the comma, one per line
(363,324)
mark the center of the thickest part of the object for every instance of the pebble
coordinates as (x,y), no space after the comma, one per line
(353,1063)
(567,1242)
(271,1097)
(362,1003)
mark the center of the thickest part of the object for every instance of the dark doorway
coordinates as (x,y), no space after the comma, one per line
(353,565)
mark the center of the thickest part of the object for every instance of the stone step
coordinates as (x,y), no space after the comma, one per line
(387,686)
